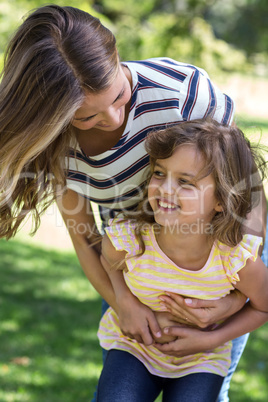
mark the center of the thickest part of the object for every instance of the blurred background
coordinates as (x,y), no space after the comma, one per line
(49,312)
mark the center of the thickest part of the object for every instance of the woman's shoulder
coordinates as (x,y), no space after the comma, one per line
(163,64)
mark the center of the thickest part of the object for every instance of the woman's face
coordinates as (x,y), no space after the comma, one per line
(105,110)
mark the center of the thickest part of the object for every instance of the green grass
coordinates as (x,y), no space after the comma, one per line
(49,318)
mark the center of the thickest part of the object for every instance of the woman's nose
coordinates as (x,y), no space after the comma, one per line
(112,116)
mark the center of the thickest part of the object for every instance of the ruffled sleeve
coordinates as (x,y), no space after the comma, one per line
(235,258)
(122,235)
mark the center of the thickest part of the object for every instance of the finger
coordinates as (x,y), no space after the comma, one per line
(176,330)
(163,347)
(154,326)
(138,338)
(172,307)
(147,338)
(167,348)
(183,316)
(125,333)
(176,305)
(129,335)
(197,303)
(169,298)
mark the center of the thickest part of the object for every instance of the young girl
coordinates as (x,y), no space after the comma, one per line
(185,237)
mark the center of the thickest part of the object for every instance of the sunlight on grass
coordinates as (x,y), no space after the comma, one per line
(49,321)
(253,388)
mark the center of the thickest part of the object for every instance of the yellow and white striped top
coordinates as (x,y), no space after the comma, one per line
(152,274)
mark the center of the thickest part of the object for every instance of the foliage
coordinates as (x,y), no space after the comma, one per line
(183,30)
(215,35)
(14,11)
(242,23)
(172,29)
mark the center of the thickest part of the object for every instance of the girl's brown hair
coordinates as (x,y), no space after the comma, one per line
(236,165)
(56,56)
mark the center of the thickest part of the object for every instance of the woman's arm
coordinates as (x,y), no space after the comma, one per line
(79,220)
(254,284)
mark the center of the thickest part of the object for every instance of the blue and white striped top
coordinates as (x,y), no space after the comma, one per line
(164,92)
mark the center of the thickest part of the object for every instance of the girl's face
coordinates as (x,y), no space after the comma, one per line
(175,196)
(105,110)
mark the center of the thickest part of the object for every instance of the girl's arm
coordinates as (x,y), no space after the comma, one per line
(254,284)
(135,319)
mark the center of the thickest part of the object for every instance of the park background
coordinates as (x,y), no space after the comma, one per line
(49,312)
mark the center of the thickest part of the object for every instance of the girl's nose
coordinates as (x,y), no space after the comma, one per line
(168,186)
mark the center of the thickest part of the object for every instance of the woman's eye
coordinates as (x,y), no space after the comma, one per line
(122,93)
(87,119)
(157,173)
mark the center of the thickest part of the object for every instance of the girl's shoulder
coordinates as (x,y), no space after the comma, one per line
(121,225)
(235,258)
(122,233)
(247,247)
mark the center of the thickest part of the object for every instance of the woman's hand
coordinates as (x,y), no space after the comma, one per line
(188,341)
(137,321)
(202,313)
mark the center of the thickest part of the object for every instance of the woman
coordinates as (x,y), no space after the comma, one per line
(65,92)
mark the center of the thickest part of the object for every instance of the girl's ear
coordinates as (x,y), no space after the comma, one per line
(218,207)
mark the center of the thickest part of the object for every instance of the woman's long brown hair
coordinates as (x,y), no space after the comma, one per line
(56,56)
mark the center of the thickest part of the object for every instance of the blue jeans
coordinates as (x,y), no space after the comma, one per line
(238,346)
(125,378)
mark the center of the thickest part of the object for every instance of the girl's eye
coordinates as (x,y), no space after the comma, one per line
(186,183)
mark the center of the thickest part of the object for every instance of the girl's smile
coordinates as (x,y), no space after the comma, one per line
(166,205)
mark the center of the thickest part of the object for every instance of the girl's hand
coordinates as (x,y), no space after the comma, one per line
(164,320)
(137,321)
(188,341)
(202,313)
